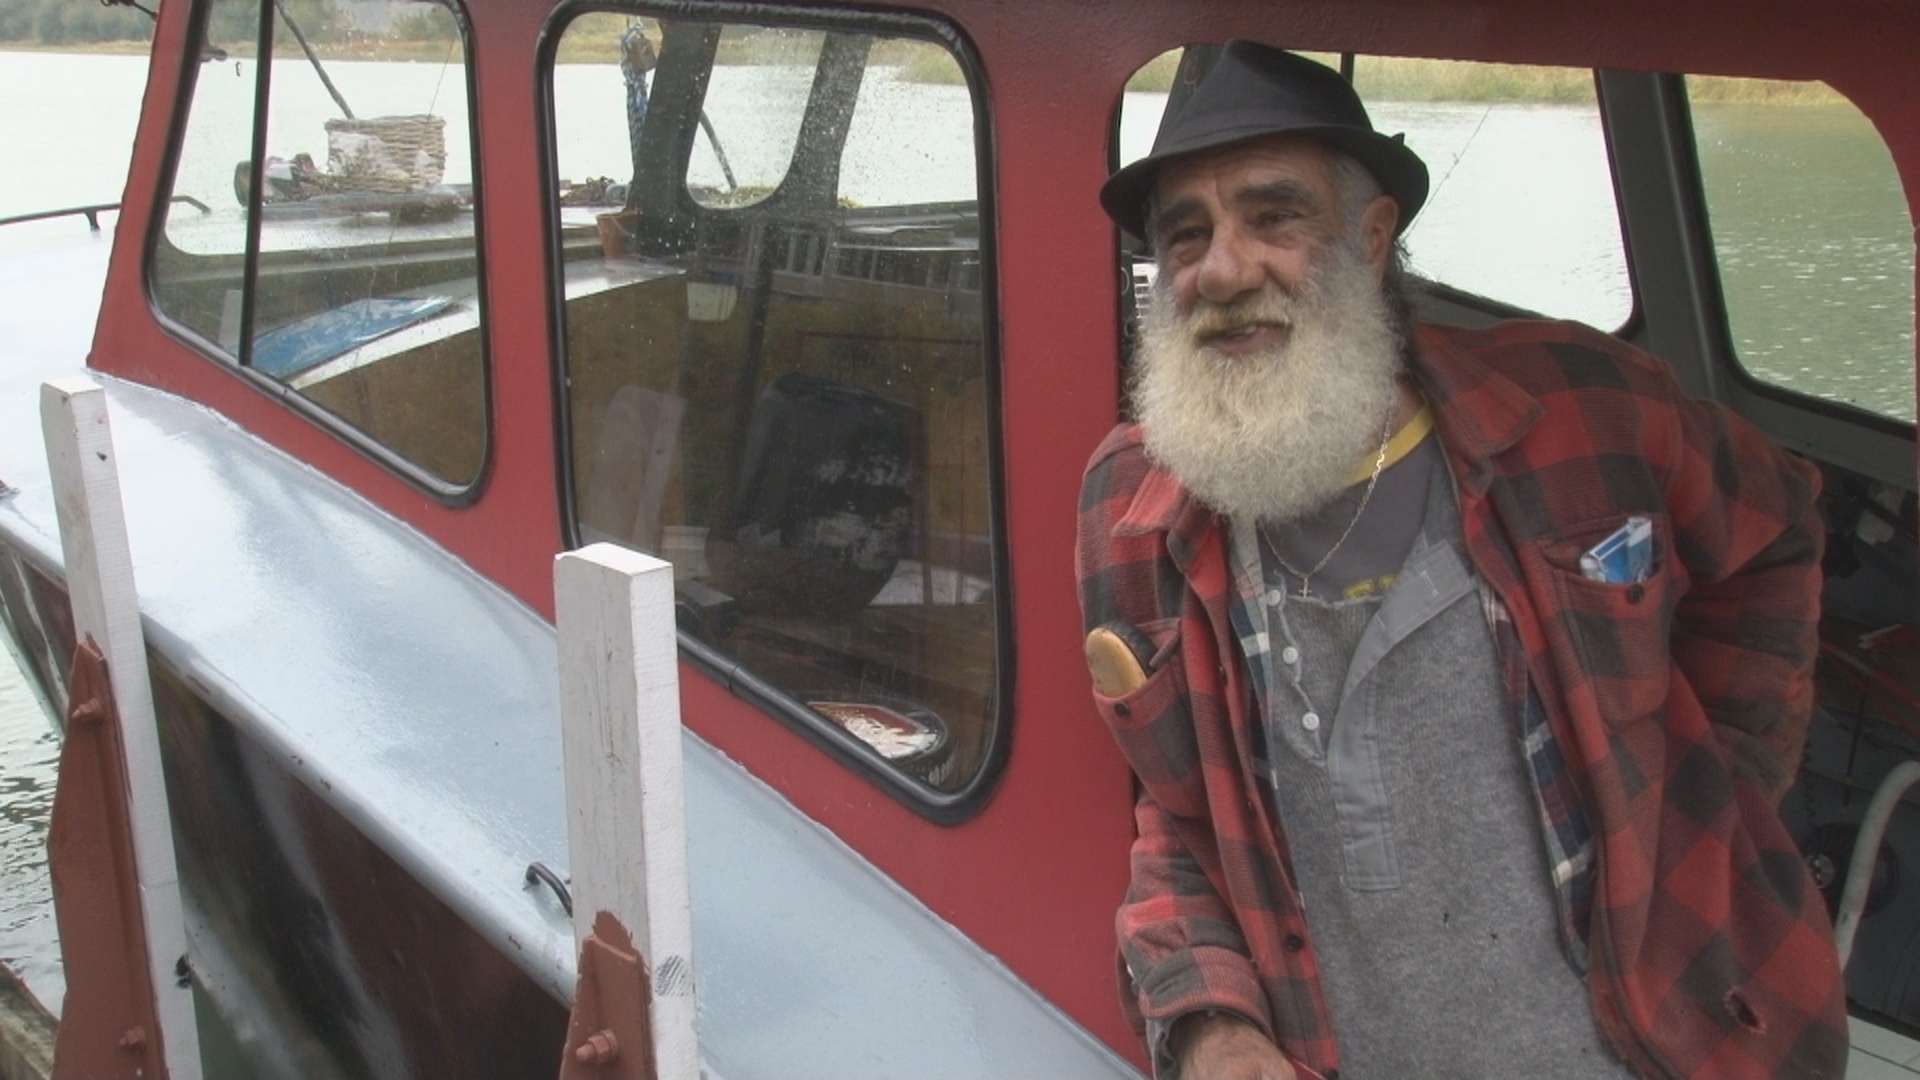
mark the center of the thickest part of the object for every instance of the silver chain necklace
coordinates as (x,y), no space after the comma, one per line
(1379,465)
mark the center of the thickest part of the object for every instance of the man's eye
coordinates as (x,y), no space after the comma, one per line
(1184,238)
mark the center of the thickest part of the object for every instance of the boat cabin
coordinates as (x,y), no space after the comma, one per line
(815,301)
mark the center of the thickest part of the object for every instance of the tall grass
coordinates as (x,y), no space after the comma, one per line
(596,38)
(920,62)
(1394,78)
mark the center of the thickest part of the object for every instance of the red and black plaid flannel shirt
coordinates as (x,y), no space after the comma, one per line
(1679,705)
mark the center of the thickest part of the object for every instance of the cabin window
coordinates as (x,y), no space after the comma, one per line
(342,267)
(779,369)
(1814,241)
(1521,210)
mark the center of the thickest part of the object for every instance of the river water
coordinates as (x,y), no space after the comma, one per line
(29,750)
(1772,174)
(68,132)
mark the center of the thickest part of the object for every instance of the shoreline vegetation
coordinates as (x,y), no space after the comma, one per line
(595,38)
(1396,78)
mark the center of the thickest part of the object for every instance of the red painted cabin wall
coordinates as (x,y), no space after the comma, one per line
(1035,876)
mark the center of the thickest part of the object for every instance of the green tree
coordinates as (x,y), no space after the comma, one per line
(429,22)
(234,24)
(16,21)
(72,22)
(51,27)
(319,20)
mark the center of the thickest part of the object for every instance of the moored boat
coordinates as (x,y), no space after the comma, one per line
(835,342)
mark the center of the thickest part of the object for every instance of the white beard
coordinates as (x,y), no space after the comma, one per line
(1273,435)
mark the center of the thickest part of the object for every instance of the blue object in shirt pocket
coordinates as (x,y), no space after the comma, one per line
(1625,555)
(1616,635)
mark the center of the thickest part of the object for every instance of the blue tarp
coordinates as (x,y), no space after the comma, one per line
(286,351)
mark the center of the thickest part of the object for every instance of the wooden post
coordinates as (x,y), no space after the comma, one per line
(106,608)
(626,816)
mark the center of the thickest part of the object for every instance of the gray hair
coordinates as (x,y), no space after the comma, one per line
(1357,187)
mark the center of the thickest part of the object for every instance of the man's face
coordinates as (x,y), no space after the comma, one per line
(1252,216)
(1269,359)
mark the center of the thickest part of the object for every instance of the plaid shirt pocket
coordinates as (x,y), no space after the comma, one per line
(1154,727)
(1618,634)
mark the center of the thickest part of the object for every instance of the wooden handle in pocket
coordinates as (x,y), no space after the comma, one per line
(1116,665)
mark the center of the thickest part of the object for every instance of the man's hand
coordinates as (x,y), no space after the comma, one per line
(1221,1046)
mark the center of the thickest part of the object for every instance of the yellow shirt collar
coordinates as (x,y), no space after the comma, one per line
(1402,444)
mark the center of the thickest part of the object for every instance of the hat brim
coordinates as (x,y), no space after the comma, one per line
(1399,170)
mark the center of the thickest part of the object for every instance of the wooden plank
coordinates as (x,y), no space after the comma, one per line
(626,805)
(26,1032)
(106,608)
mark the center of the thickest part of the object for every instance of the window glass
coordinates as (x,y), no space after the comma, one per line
(363,295)
(1521,208)
(758,82)
(198,275)
(759,85)
(1814,240)
(786,395)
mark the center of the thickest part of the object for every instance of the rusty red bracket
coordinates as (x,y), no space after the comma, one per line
(611,1031)
(110,1023)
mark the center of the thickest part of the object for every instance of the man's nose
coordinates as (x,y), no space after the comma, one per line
(1230,269)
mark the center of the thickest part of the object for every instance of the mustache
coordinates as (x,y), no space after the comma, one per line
(1270,306)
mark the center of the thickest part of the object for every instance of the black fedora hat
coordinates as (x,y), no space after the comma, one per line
(1254,90)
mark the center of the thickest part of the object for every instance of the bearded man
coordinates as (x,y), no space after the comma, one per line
(1461,671)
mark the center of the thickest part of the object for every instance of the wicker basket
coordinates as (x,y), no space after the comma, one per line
(394,155)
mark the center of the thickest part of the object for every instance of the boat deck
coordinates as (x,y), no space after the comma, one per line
(1879,1054)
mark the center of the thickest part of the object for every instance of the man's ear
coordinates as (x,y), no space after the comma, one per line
(1377,224)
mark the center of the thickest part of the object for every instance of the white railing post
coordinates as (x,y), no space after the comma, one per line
(626,805)
(106,607)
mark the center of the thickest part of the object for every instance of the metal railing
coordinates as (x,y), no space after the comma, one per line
(92,212)
(1866,850)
